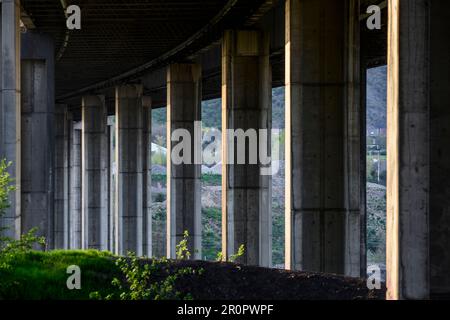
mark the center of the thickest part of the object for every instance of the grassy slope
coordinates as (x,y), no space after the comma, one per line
(38,275)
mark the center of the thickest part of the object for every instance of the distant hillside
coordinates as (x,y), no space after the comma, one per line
(376,98)
(376,105)
(212,115)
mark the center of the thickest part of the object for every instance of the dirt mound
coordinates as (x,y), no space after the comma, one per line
(227,281)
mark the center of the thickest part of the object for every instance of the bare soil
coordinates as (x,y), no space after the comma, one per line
(228,281)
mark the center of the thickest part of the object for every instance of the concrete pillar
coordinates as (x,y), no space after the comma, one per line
(38,135)
(323,218)
(62,156)
(111,185)
(75,188)
(129,199)
(147,176)
(183,179)
(10,110)
(440,153)
(418,205)
(94,173)
(246,105)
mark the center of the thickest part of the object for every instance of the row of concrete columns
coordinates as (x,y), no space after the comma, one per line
(64,190)
(322,213)
(92,212)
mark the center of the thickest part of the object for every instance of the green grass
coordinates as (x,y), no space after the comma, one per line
(42,275)
(211,232)
(209,179)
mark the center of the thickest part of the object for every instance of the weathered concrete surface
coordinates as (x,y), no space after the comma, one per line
(440,152)
(112,176)
(183,183)
(37,135)
(322,137)
(418,161)
(147,176)
(129,155)
(61,172)
(246,104)
(75,188)
(94,173)
(408,152)
(10,110)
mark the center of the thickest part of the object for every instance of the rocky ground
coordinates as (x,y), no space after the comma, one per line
(226,281)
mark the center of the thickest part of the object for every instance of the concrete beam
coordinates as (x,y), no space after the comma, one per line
(129,155)
(323,217)
(94,173)
(183,180)
(10,132)
(246,104)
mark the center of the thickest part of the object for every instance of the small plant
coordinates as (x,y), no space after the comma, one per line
(233,257)
(141,280)
(182,250)
(28,240)
(240,253)
(5,188)
(219,256)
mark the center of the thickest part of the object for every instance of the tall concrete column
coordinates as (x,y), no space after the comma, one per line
(246,105)
(94,173)
(147,176)
(111,185)
(183,177)
(129,187)
(418,205)
(75,188)
(10,110)
(62,156)
(38,135)
(323,222)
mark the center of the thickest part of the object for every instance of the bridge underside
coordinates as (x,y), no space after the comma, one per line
(59,86)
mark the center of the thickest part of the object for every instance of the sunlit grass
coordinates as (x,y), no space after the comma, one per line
(42,275)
